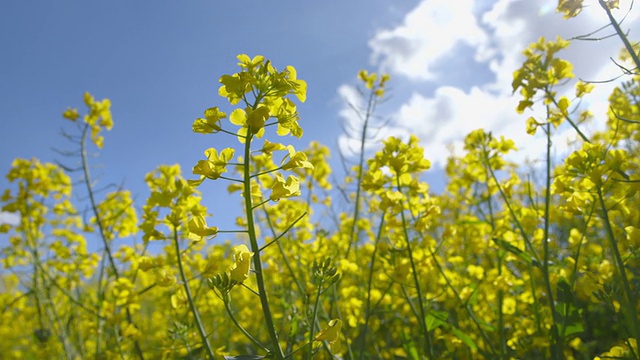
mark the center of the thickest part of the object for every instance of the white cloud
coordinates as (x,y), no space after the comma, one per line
(497,35)
(429,32)
(443,120)
(514,24)
(9,218)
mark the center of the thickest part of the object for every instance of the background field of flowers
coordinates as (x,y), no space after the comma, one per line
(349,253)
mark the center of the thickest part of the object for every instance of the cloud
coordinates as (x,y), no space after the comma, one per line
(513,24)
(428,32)
(12,219)
(441,111)
(444,119)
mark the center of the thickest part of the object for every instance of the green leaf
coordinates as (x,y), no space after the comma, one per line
(409,346)
(571,316)
(435,319)
(294,327)
(515,250)
(473,299)
(465,338)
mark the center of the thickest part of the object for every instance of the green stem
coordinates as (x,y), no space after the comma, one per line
(367,312)
(428,349)
(187,290)
(255,248)
(631,300)
(621,34)
(511,211)
(363,138)
(265,172)
(566,116)
(94,204)
(102,232)
(536,306)
(524,235)
(501,327)
(557,347)
(313,318)
(54,316)
(472,315)
(41,292)
(574,275)
(298,350)
(227,306)
(281,249)
(67,294)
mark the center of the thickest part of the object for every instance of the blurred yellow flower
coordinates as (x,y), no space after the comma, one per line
(331,334)
(239,271)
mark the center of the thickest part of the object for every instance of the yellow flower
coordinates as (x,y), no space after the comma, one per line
(71,114)
(297,160)
(570,8)
(198,229)
(250,119)
(367,78)
(210,123)
(164,277)
(239,271)
(213,167)
(331,334)
(281,189)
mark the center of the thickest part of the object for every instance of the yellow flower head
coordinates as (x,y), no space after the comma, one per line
(239,271)
(331,334)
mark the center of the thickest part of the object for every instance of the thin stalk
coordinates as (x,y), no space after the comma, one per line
(363,138)
(574,275)
(68,295)
(264,172)
(335,300)
(94,205)
(255,248)
(472,315)
(410,302)
(557,347)
(536,307)
(525,236)
(367,311)
(631,300)
(313,318)
(512,212)
(285,258)
(96,213)
(187,290)
(54,316)
(227,306)
(501,327)
(33,245)
(566,117)
(284,232)
(621,34)
(427,344)
(39,287)
(297,350)
(284,255)
(100,298)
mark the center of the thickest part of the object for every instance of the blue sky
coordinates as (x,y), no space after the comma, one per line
(159,63)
